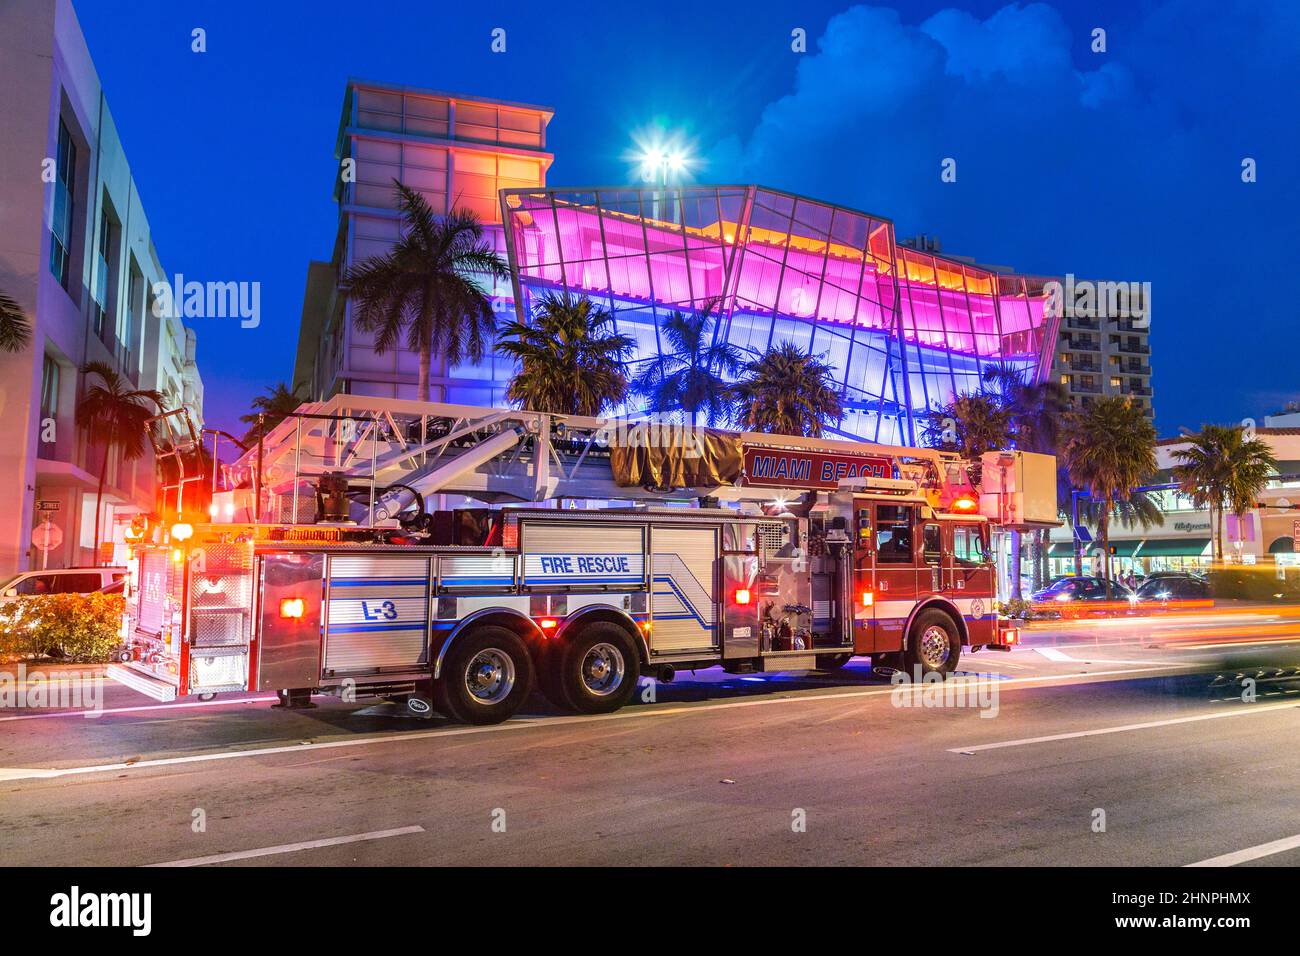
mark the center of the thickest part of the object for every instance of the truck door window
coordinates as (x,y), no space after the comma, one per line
(894,533)
(932,544)
(968,546)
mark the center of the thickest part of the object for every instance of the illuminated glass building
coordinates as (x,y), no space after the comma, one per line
(903,330)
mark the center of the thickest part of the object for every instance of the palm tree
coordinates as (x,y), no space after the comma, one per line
(571,360)
(969,425)
(116,416)
(1223,470)
(1109,448)
(425,287)
(788,391)
(693,375)
(15,330)
(275,406)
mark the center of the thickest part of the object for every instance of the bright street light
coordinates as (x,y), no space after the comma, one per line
(659,159)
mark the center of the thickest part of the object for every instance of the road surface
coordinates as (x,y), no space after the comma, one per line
(1133,742)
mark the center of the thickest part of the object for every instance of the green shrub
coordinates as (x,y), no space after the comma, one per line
(82,628)
(1015,608)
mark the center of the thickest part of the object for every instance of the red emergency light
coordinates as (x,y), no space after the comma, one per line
(549,623)
(964,504)
(742,596)
(292,608)
(868,598)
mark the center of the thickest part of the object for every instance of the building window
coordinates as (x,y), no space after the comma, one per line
(105,281)
(1065,380)
(49,387)
(1115,381)
(65,167)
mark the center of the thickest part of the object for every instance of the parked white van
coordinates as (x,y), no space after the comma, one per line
(60,581)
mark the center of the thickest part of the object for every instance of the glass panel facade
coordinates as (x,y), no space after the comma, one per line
(903,330)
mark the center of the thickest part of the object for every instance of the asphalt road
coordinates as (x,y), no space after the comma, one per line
(1114,743)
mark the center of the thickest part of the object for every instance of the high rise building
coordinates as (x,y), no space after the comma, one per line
(1099,354)
(454,150)
(77,255)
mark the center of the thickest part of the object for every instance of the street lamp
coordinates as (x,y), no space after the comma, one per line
(661,161)
(657,162)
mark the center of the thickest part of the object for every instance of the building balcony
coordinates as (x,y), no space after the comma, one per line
(1083,323)
(1093,389)
(1085,345)
(1135,348)
(1130,325)
(1138,390)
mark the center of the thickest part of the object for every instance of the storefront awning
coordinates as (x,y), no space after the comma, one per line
(1061,549)
(1124,547)
(1174,547)
(1282,546)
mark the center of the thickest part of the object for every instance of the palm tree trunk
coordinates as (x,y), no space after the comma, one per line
(1041,558)
(1103,525)
(1016,590)
(422,381)
(99,504)
(1216,515)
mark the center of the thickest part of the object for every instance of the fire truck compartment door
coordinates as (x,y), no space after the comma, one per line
(220,597)
(377,614)
(684,599)
(153,588)
(569,554)
(289,633)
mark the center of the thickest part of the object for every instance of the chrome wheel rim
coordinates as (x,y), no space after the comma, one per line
(490,676)
(603,669)
(934,647)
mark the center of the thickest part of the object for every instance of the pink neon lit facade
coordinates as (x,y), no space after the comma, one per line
(903,330)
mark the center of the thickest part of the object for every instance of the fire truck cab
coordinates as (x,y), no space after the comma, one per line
(303,590)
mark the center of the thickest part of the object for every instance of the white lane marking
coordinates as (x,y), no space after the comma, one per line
(1251,853)
(91,713)
(34,773)
(1248,710)
(1052,654)
(291,847)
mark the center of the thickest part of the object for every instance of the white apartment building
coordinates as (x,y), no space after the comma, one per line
(77,255)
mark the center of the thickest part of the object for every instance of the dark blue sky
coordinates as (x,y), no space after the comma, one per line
(1123,165)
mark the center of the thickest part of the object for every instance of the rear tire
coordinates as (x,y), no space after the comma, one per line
(486,676)
(596,671)
(933,644)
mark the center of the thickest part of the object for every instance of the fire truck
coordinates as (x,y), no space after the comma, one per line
(454,558)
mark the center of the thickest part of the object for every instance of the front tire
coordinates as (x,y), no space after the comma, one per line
(596,671)
(486,677)
(933,644)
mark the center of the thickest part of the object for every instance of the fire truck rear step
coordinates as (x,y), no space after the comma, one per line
(142,681)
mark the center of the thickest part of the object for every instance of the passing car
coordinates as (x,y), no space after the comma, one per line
(1083,597)
(60,581)
(1173,586)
